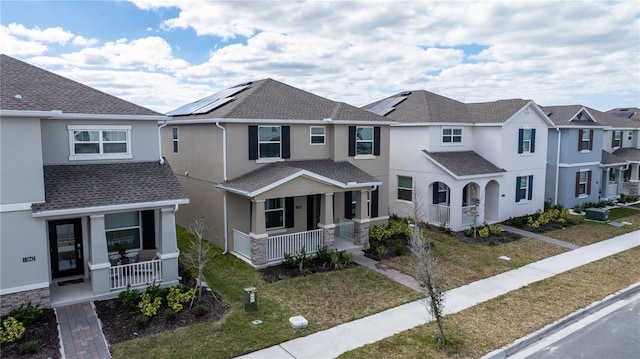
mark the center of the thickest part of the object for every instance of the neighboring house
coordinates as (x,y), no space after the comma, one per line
(575,154)
(460,164)
(273,169)
(622,139)
(80,178)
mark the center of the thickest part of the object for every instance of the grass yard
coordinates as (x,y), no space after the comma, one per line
(491,325)
(589,232)
(324,299)
(462,263)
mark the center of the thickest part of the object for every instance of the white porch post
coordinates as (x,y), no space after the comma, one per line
(99,259)
(168,246)
(258,233)
(361,219)
(326,219)
(455,207)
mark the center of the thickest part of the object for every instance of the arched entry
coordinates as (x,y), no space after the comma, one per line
(491,202)
(470,202)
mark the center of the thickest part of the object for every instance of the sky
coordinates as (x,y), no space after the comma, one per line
(162,54)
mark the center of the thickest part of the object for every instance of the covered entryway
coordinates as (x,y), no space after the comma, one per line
(65,244)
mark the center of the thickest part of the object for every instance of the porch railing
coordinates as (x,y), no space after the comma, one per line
(345,228)
(624,187)
(136,274)
(437,213)
(612,190)
(292,243)
(468,215)
(242,243)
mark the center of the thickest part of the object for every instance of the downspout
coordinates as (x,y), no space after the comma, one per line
(555,195)
(160,141)
(224,193)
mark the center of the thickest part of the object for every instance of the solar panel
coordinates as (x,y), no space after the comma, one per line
(387,105)
(623,114)
(208,103)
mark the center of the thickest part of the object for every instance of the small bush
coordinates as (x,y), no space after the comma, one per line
(129,298)
(289,261)
(324,254)
(495,230)
(142,320)
(170,315)
(148,305)
(11,330)
(346,257)
(199,310)
(484,232)
(155,291)
(382,251)
(335,260)
(26,314)
(176,297)
(401,249)
(29,347)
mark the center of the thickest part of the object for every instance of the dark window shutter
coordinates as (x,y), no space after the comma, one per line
(289,207)
(148,230)
(580,140)
(374,203)
(577,184)
(435,192)
(253,142)
(286,142)
(533,140)
(520,139)
(530,188)
(352,141)
(376,141)
(348,198)
(613,138)
(589,182)
(518,183)
(590,140)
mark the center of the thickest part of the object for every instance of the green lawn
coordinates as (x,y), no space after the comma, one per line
(589,232)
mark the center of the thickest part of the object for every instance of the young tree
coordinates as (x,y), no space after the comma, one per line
(197,253)
(426,270)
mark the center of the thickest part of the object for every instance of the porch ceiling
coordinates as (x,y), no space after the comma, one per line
(343,175)
(463,164)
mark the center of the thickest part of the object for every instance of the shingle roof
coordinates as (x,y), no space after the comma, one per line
(95,185)
(424,106)
(628,154)
(562,115)
(270,99)
(464,163)
(41,90)
(623,118)
(343,172)
(632,113)
(610,159)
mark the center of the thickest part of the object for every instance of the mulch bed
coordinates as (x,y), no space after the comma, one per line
(492,240)
(119,323)
(44,332)
(280,271)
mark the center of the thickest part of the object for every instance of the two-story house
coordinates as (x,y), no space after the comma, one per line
(575,156)
(87,204)
(622,139)
(273,169)
(459,165)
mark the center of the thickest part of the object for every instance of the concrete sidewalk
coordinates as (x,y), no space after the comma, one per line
(334,341)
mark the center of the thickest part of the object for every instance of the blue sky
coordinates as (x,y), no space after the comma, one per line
(162,54)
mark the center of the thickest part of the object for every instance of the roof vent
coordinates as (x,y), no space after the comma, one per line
(18,96)
(405,93)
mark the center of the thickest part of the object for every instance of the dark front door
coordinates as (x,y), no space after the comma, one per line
(313,211)
(65,239)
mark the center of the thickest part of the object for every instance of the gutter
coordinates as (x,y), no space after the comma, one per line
(224,193)
(160,141)
(555,195)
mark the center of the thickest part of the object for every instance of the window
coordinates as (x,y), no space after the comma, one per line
(440,193)
(630,136)
(585,140)
(364,141)
(274,213)
(99,142)
(526,140)
(350,202)
(524,188)
(317,135)
(452,135)
(123,231)
(175,139)
(269,142)
(405,188)
(617,139)
(583,183)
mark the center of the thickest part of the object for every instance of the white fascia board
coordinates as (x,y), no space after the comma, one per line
(174,121)
(602,165)
(15,207)
(448,124)
(111,208)
(439,165)
(580,126)
(38,114)
(91,116)
(537,109)
(571,165)
(455,176)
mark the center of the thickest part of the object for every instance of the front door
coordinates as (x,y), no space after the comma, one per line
(65,238)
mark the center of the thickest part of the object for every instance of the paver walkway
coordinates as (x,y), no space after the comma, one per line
(540,237)
(81,334)
(334,341)
(391,273)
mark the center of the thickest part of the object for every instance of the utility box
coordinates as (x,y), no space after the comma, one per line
(597,214)
(250,299)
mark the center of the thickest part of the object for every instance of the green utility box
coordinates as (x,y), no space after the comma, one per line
(597,214)
(250,299)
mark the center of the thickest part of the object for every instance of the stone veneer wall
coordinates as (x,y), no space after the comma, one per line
(38,297)
(361,234)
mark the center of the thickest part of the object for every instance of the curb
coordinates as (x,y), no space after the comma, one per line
(525,341)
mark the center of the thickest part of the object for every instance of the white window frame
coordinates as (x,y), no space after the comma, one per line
(451,136)
(73,156)
(582,193)
(358,141)
(446,192)
(526,143)
(406,190)
(312,135)
(279,142)
(175,133)
(270,210)
(618,139)
(139,227)
(524,186)
(586,132)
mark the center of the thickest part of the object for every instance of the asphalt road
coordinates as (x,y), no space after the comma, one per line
(615,335)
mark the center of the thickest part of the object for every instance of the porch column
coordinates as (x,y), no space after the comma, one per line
(258,233)
(604,192)
(99,256)
(634,179)
(326,219)
(168,246)
(455,207)
(361,220)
